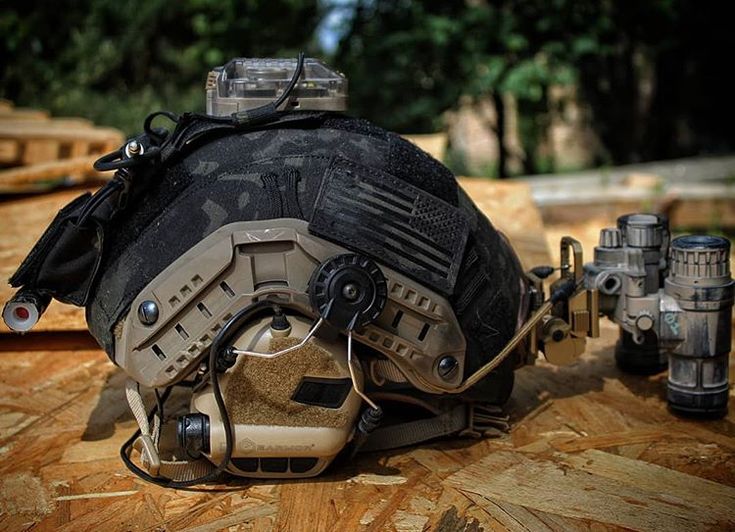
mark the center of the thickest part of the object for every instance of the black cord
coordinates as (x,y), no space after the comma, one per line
(264,113)
(291,84)
(225,334)
(152,133)
(564,291)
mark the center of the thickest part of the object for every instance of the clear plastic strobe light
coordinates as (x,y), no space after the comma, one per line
(247,83)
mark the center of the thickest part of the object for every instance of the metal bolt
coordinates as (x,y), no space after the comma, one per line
(350,291)
(148,312)
(448,366)
(644,321)
(133,148)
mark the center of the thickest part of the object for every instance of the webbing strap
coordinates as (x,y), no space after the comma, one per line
(147,443)
(473,420)
(183,471)
(403,434)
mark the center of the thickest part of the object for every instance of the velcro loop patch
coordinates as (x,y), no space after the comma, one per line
(411,231)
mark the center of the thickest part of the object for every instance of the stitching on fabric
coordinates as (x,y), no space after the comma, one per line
(186,193)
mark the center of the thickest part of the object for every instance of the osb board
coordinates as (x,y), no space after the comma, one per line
(590,448)
(511,209)
(508,205)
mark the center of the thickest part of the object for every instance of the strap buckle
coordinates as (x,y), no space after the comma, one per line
(484,420)
(149,454)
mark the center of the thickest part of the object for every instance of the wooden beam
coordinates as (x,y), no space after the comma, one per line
(72,170)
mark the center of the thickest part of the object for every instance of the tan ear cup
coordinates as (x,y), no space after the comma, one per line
(259,391)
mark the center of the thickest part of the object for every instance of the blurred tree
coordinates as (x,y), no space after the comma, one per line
(443,50)
(656,74)
(653,71)
(114,61)
(404,61)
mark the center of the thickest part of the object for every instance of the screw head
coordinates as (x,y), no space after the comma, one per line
(448,367)
(644,321)
(148,312)
(133,148)
(351,292)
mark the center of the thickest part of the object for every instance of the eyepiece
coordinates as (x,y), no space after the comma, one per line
(699,280)
(644,230)
(702,258)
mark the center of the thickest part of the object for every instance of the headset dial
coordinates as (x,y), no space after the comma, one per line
(349,291)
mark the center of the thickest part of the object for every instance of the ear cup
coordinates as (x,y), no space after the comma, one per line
(261,391)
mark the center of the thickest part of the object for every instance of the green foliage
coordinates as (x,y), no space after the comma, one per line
(409,62)
(442,50)
(115,61)
(653,72)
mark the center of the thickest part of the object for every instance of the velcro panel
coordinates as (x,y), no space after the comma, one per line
(404,227)
(327,393)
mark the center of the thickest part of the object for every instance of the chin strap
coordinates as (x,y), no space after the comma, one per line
(147,444)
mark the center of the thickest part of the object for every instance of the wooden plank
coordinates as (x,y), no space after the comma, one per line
(23,178)
(693,192)
(17,122)
(39,151)
(20,113)
(603,488)
(696,207)
(34,141)
(31,130)
(9,151)
(510,207)
(686,170)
